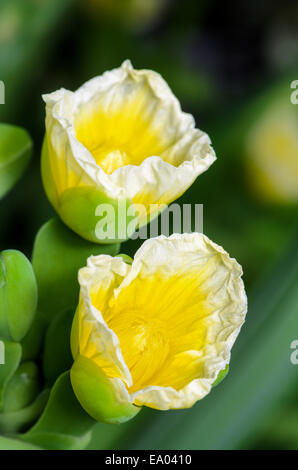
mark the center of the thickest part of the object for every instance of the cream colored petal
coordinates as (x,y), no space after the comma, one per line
(96,340)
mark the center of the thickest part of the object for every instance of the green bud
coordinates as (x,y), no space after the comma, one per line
(18,295)
(15,153)
(23,388)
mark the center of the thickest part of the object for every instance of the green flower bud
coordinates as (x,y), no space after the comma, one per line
(18,295)
(23,388)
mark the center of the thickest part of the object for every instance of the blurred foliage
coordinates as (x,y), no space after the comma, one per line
(227,64)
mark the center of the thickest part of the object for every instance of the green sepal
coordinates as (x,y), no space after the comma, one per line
(57,356)
(127,259)
(222,375)
(63,425)
(18,295)
(15,153)
(57,256)
(78,207)
(97,394)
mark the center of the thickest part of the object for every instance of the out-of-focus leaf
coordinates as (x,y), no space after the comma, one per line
(7,443)
(18,295)
(20,420)
(57,256)
(63,424)
(285,434)
(28,29)
(57,356)
(13,353)
(112,437)
(15,153)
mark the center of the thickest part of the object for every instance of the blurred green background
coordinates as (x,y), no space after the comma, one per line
(231,65)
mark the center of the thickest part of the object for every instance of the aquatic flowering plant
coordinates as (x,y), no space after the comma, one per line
(112,334)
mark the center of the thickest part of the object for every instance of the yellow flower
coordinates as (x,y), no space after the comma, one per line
(156,332)
(272,150)
(120,137)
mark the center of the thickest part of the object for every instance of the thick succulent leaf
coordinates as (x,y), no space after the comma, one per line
(18,295)
(23,388)
(15,152)
(57,356)
(63,424)
(58,255)
(33,341)
(12,358)
(20,420)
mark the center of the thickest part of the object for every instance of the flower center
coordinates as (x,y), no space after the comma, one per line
(144,346)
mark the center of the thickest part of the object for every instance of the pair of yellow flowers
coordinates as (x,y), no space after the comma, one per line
(156,331)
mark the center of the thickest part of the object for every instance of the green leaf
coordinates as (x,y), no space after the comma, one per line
(63,424)
(57,356)
(12,358)
(15,153)
(33,341)
(18,295)
(57,256)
